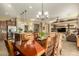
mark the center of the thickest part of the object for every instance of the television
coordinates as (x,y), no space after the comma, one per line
(61,29)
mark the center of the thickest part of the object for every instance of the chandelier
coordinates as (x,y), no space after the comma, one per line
(42,15)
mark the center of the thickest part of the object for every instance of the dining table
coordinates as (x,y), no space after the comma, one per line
(34,49)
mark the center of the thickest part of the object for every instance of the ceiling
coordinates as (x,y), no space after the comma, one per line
(61,10)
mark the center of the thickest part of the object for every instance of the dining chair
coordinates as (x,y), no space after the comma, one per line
(49,46)
(77,41)
(27,36)
(53,40)
(9,47)
(58,45)
(36,35)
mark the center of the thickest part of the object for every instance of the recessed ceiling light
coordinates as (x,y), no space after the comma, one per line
(47,16)
(37,16)
(33,19)
(50,21)
(46,13)
(6,13)
(18,16)
(30,7)
(9,5)
(39,13)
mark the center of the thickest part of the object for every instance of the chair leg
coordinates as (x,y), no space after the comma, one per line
(61,52)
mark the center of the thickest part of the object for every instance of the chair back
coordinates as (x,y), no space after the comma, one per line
(36,35)
(27,36)
(49,46)
(77,41)
(9,47)
(58,45)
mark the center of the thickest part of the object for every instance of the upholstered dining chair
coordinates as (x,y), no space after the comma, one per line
(49,46)
(9,47)
(53,40)
(27,36)
(58,45)
(36,35)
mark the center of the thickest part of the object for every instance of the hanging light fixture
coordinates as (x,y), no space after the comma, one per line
(42,15)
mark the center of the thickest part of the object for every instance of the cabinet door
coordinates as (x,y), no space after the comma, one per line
(26,28)
(36,27)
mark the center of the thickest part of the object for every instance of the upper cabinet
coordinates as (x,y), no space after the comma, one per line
(11,22)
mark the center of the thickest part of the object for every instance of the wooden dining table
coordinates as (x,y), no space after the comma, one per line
(30,50)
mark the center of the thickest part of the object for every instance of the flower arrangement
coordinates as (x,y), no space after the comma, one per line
(42,35)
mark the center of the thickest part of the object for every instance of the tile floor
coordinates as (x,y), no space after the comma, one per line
(69,49)
(3,50)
